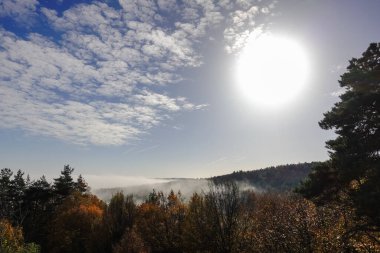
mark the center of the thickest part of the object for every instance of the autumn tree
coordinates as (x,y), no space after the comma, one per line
(212,219)
(12,241)
(119,219)
(352,175)
(74,224)
(224,208)
(175,215)
(120,226)
(280,223)
(161,220)
(197,230)
(131,242)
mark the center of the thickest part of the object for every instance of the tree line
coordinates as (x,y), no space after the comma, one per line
(65,217)
(275,178)
(30,205)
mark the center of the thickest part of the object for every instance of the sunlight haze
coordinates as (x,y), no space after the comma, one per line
(271,70)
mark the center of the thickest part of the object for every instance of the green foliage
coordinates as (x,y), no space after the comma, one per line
(352,174)
(64,185)
(81,185)
(5,192)
(320,180)
(17,188)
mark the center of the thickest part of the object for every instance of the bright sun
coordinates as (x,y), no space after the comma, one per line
(272,70)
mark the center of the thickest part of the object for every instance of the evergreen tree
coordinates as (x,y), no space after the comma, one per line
(64,185)
(17,194)
(81,185)
(352,174)
(5,189)
(39,207)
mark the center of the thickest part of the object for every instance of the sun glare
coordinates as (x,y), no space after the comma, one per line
(271,70)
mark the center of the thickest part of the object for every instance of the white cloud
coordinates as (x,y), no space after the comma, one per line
(244,21)
(143,10)
(22,11)
(167,5)
(47,90)
(97,82)
(245,4)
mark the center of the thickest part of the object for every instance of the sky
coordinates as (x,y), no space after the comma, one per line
(147,89)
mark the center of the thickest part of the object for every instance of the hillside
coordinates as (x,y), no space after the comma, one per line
(280,178)
(275,178)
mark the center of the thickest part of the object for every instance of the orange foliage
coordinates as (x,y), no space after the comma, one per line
(75,223)
(91,210)
(161,220)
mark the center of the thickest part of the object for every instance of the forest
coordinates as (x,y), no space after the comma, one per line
(65,217)
(336,209)
(275,178)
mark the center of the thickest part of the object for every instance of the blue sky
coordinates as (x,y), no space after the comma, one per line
(147,88)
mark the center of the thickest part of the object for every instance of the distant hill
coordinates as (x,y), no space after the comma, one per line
(278,178)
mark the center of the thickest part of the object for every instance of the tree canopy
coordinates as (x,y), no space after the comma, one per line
(352,174)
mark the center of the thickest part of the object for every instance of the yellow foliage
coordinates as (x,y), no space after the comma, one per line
(11,239)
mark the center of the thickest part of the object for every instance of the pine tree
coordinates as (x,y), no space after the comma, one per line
(5,190)
(352,174)
(39,206)
(81,185)
(64,185)
(18,188)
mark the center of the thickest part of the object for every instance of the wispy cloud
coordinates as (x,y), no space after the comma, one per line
(101,78)
(244,21)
